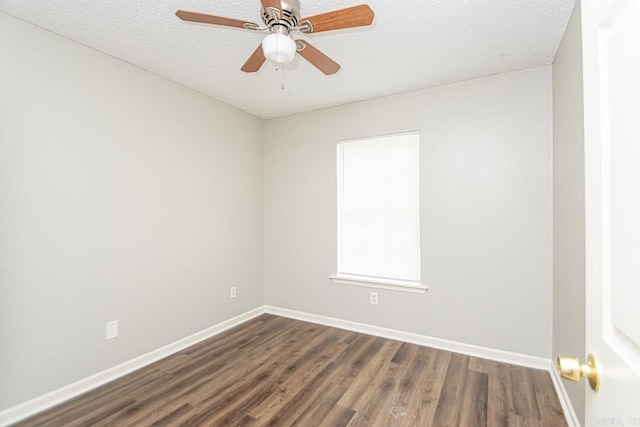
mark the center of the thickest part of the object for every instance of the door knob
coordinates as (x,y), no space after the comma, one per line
(571,369)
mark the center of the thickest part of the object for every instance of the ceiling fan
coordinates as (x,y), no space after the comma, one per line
(281,18)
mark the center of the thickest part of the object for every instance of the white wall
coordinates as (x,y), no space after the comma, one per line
(486,211)
(122,196)
(568,205)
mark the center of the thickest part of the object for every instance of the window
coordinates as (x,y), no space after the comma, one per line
(379,212)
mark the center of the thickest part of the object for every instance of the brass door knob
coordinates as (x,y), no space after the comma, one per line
(571,369)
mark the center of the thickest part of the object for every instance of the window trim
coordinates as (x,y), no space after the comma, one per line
(374,282)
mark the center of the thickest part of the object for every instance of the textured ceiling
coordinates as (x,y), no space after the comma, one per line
(411,45)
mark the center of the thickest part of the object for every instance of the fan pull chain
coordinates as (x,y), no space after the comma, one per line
(282,80)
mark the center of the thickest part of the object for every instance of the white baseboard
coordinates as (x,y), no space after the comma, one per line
(55,397)
(453,346)
(565,402)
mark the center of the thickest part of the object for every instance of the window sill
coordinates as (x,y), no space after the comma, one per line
(369,282)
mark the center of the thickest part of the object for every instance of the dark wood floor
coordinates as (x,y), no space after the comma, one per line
(273,371)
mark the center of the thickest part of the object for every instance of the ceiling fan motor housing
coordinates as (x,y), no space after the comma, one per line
(289,18)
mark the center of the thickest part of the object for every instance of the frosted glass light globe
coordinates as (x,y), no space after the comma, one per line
(279,48)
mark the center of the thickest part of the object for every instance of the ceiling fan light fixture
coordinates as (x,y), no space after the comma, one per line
(279,48)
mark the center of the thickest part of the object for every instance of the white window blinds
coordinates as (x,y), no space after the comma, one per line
(379,209)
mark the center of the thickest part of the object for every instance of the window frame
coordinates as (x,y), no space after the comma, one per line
(412,286)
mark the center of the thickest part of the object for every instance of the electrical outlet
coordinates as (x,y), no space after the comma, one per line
(373,298)
(232,294)
(112,329)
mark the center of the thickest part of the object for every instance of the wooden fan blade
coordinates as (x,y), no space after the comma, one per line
(255,61)
(274,4)
(356,16)
(212,19)
(321,61)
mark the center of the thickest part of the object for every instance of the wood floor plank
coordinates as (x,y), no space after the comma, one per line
(396,407)
(352,358)
(339,416)
(479,365)
(221,377)
(288,385)
(174,417)
(224,352)
(301,400)
(402,355)
(145,411)
(292,384)
(94,398)
(357,391)
(196,375)
(423,402)
(500,406)
(371,407)
(524,395)
(274,371)
(320,407)
(541,381)
(291,378)
(448,411)
(97,413)
(474,402)
(213,376)
(248,421)
(550,410)
(218,406)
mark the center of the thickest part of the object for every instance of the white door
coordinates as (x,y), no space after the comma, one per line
(611,54)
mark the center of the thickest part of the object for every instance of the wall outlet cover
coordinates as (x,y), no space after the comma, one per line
(373,298)
(112,329)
